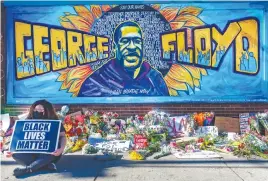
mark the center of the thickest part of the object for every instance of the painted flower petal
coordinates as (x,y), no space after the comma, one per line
(79,72)
(96,10)
(174,84)
(191,21)
(105,8)
(203,71)
(172,92)
(197,83)
(169,13)
(63,75)
(66,23)
(191,10)
(79,22)
(195,71)
(180,74)
(156,6)
(75,87)
(85,13)
(176,25)
(65,85)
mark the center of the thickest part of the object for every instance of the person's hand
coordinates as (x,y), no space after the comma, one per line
(8,154)
(57,152)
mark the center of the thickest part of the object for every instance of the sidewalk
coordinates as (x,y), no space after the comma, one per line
(88,167)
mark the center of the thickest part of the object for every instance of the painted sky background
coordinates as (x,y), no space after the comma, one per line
(221,85)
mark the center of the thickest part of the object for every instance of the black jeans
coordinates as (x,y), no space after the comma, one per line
(35,161)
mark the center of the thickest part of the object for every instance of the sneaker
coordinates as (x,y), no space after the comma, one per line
(21,171)
(52,167)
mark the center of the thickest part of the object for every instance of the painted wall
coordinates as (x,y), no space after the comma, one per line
(144,53)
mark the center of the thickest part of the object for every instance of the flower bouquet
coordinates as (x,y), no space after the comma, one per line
(250,144)
(89,149)
(263,119)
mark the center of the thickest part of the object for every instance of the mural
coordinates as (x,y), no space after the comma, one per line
(137,53)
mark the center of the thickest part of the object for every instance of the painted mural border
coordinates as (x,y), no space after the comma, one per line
(11,100)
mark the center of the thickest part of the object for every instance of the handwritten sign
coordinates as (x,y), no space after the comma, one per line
(140,141)
(116,145)
(205,130)
(35,136)
(244,122)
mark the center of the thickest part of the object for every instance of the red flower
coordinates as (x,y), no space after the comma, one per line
(67,120)
(84,130)
(78,131)
(200,140)
(241,146)
(116,115)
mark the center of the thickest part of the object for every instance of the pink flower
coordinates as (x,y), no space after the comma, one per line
(116,115)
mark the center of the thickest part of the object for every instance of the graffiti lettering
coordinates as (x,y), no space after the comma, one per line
(41,49)
(244,34)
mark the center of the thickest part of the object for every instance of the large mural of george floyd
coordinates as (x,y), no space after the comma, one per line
(214,52)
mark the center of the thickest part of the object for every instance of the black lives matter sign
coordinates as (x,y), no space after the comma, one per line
(35,136)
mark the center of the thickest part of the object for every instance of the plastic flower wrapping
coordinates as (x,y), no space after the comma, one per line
(62,113)
(263,119)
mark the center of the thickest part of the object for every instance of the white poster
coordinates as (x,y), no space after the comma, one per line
(4,122)
(116,145)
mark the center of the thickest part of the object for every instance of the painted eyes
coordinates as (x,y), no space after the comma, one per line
(136,41)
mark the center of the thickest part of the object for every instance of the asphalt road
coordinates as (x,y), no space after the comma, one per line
(89,167)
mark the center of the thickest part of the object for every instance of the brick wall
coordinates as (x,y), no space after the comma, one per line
(125,110)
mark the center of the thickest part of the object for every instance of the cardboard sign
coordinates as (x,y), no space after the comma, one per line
(4,122)
(35,136)
(205,130)
(140,141)
(227,124)
(244,122)
(116,145)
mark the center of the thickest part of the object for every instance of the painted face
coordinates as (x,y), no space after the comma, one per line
(129,47)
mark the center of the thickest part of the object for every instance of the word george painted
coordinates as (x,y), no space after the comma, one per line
(42,48)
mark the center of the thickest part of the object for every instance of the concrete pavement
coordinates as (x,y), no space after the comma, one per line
(89,167)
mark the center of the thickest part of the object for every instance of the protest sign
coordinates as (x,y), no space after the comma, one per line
(116,145)
(35,136)
(244,122)
(140,141)
(205,130)
(227,124)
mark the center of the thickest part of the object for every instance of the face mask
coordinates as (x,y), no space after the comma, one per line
(38,115)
